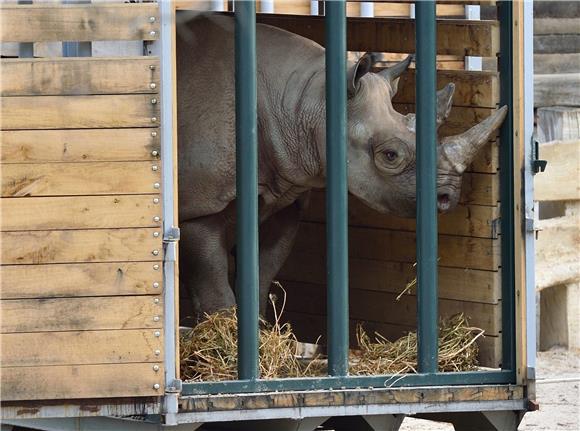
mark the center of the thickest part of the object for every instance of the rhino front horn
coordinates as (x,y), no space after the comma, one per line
(460,150)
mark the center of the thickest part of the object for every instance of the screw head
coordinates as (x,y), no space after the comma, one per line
(151,19)
(153,33)
(152,85)
(157,352)
(154,153)
(156,301)
(151,67)
(155,200)
(154,133)
(156,268)
(156,318)
(157,333)
(156,219)
(156,185)
(154,168)
(155,367)
(155,285)
(156,386)
(155,252)
(153,101)
(155,234)
(153,119)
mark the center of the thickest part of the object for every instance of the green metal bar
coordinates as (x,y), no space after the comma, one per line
(350,382)
(247,190)
(336,188)
(506,169)
(427,325)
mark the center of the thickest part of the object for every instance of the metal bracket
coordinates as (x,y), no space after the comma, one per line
(172,234)
(538,165)
(175,387)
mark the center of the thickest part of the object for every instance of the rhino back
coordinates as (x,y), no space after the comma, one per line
(288,66)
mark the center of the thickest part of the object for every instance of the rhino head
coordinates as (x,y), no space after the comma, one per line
(382,143)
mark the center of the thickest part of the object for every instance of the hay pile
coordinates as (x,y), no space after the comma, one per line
(457,350)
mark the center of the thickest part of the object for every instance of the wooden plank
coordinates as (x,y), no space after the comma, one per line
(89,145)
(556,9)
(81,279)
(80,212)
(472,89)
(557,43)
(547,64)
(81,314)
(81,381)
(480,189)
(558,123)
(82,22)
(564,25)
(454,37)
(471,220)
(311,328)
(78,112)
(369,274)
(79,76)
(370,305)
(396,246)
(557,89)
(94,178)
(79,348)
(72,246)
(560,180)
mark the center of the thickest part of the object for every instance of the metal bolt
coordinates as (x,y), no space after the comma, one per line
(156,301)
(157,333)
(156,386)
(154,134)
(156,185)
(156,219)
(155,234)
(153,101)
(154,168)
(155,285)
(155,367)
(154,153)
(157,352)
(153,119)
(155,252)
(156,318)
(156,268)
(155,200)
(152,85)
(152,33)
(151,67)
(151,19)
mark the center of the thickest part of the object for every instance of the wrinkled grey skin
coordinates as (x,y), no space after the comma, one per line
(291,139)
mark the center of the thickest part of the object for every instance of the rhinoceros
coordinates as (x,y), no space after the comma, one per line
(291,148)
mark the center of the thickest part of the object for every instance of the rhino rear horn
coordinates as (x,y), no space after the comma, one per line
(460,150)
(444,103)
(393,73)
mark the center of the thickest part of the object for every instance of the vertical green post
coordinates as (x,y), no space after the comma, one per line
(427,313)
(336,188)
(506,169)
(247,190)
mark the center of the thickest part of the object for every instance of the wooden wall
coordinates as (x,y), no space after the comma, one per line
(81,244)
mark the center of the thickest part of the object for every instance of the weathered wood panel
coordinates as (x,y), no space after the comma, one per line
(80,212)
(472,89)
(454,37)
(81,314)
(548,64)
(95,178)
(78,112)
(470,220)
(560,181)
(79,76)
(563,25)
(55,22)
(81,381)
(557,43)
(80,348)
(72,246)
(370,274)
(558,89)
(81,279)
(396,246)
(312,328)
(91,145)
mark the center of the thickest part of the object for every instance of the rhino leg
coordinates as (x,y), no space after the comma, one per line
(204,265)
(277,235)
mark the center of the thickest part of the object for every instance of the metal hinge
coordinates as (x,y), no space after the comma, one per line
(170,239)
(538,165)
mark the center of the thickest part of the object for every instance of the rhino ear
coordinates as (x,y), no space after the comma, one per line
(444,103)
(361,68)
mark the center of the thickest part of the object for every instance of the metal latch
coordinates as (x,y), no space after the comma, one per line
(538,165)
(170,239)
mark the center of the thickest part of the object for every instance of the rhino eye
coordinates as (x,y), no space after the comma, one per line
(391,155)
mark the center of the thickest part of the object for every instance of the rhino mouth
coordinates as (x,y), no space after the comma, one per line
(443,202)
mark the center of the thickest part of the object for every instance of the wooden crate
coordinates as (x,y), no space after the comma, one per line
(81,244)
(382,248)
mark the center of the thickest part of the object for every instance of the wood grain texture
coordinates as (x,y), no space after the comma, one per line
(54,22)
(454,37)
(80,314)
(80,212)
(79,76)
(81,381)
(370,274)
(76,246)
(78,112)
(396,246)
(80,348)
(81,279)
(560,181)
(90,145)
(92,178)
(471,220)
